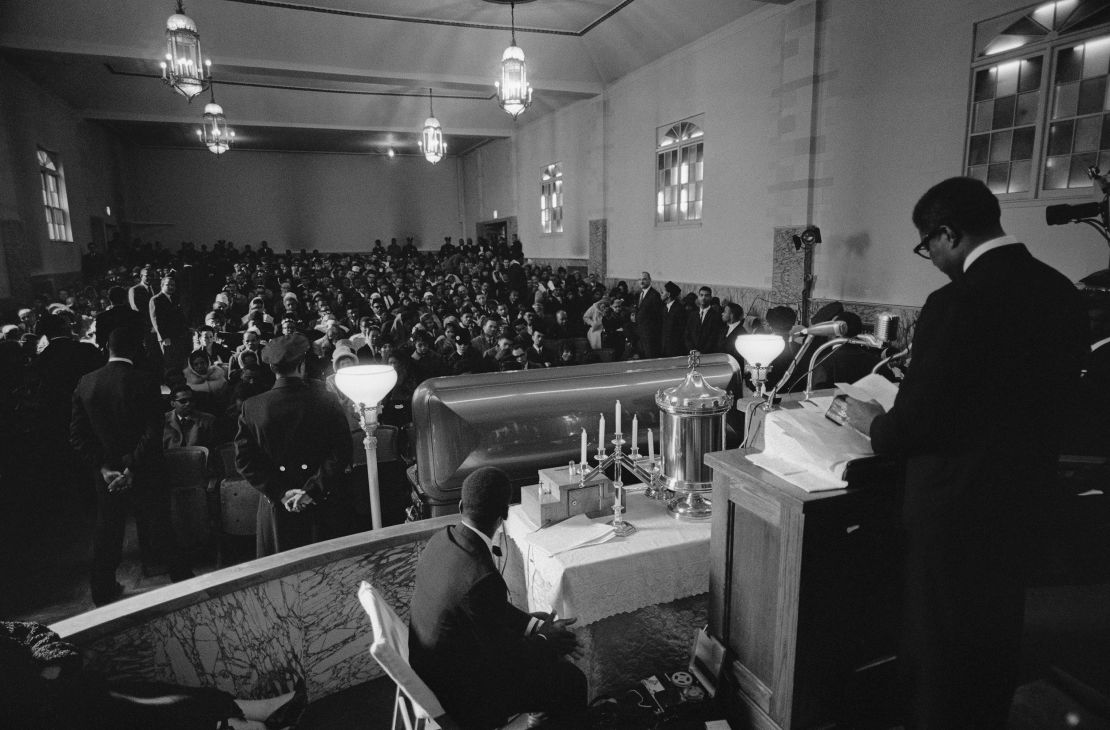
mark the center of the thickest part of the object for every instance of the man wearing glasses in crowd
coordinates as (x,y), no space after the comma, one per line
(979,458)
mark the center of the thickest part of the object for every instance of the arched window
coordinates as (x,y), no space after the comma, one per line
(1040,112)
(551,198)
(54,196)
(679,171)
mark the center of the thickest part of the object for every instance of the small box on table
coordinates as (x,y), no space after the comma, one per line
(560,496)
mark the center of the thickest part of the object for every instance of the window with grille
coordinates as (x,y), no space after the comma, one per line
(551,198)
(54,196)
(679,171)
(1040,108)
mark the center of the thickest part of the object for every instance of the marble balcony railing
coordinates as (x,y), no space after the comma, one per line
(240,628)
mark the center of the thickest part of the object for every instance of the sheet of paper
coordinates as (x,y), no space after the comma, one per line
(806,449)
(576,532)
(872,387)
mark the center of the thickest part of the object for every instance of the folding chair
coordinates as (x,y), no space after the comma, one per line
(416,706)
(186,477)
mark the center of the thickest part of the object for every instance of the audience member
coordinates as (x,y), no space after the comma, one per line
(184,424)
(704,326)
(117,429)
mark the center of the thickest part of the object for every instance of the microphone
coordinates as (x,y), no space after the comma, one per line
(835,328)
(1058,215)
(886,326)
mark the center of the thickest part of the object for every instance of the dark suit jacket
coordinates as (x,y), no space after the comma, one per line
(1091,423)
(114,317)
(465,639)
(674,330)
(979,447)
(168,319)
(704,336)
(56,372)
(139,297)
(728,341)
(984,343)
(117,418)
(649,323)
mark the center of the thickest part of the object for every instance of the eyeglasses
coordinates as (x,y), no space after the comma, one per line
(922,248)
(184,400)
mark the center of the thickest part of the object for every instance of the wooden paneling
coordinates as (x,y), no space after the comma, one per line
(803,593)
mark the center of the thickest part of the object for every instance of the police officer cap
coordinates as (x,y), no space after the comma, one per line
(285,349)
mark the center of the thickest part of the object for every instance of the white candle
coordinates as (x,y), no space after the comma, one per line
(583,459)
(635,429)
(601,433)
(617,428)
(651,446)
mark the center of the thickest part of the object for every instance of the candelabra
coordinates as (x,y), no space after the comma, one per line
(620,460)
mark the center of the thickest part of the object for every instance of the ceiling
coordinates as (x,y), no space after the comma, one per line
(348,76)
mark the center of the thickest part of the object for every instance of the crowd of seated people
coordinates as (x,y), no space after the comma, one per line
(468,307)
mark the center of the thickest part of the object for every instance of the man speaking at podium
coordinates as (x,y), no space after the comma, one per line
(996,351)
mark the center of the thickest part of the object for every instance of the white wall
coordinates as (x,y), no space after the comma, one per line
(575,137)
(294,200)
(31,117)
(488,184)
(893,122)
(886,120)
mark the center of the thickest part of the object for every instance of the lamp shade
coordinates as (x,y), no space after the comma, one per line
(759,349)
(366,384)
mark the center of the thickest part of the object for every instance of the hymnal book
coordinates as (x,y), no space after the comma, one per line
(871,387)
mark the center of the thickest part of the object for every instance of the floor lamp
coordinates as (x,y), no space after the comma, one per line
(366,385)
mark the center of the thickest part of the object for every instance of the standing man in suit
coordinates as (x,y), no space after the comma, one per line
(704,326)
(484,658)
(170,329)
(674,321)
(120,314)
(649,320)
(117,430)
(732,315)
(979,462)
(293,446)
(54,376)
(139,295)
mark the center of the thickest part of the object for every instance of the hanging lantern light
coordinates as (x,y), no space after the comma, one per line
(183,68)
(214,132)
(514,93)
(431,139)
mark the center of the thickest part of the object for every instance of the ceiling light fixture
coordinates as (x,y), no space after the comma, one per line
(214,132)
(391,153)
(183,68)
(514,93)
(431,139)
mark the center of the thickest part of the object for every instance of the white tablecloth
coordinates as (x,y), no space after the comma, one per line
(664,560)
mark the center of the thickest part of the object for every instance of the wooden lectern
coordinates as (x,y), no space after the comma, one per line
(805,595)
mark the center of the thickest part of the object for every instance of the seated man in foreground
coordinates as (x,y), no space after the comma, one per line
(484,658)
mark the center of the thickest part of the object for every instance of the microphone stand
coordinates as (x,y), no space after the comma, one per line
(769,404)
(836,342)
